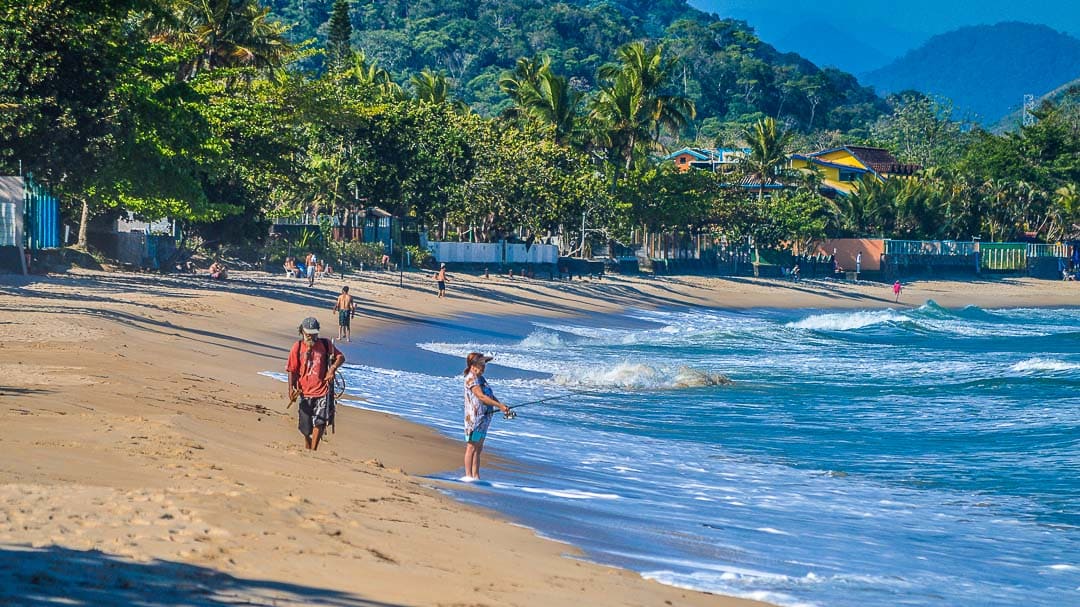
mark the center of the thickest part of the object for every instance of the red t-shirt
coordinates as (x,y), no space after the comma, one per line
(311,364)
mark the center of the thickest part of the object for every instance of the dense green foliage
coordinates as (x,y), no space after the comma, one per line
(200,111)
(727,72)
(985,70)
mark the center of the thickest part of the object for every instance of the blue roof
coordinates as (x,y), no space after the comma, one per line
(700,155)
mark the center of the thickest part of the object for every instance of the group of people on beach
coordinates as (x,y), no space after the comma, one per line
(311,268)
(313,364)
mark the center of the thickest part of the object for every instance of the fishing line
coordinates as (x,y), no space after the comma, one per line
(550,398)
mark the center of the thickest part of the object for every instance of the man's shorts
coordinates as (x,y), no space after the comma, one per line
(475,436)
(343,317)
(442,286)
(315,412)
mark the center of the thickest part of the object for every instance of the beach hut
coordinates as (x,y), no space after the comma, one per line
(29,221)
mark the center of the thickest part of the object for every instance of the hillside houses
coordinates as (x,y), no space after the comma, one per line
(840,168)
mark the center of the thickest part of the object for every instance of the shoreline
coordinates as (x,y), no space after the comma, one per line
(144,399)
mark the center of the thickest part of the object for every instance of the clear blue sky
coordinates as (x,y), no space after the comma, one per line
(892,27)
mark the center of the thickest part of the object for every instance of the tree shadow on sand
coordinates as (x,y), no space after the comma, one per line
(36,577)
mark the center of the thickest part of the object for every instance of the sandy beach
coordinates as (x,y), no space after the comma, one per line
(149,460)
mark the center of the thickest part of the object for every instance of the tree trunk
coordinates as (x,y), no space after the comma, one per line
(84,221)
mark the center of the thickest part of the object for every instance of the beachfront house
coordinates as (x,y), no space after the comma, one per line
(842,167)
(355,224)
(707,159)
(29,222)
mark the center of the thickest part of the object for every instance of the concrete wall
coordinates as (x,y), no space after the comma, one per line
(847,249)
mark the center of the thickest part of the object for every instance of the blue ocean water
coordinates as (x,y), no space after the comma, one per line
(918,456)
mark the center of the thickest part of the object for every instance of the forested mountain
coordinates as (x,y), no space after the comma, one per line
(985,70)
(729,73)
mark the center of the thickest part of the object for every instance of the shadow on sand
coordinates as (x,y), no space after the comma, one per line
(36,577)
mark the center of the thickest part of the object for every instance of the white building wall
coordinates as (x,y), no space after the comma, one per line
(499,252)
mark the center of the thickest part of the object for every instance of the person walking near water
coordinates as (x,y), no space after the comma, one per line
(345,306)
(480,404)
(442,278)
(311,367)
(896,288)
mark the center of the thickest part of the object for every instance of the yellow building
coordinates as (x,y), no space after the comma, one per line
(841,168)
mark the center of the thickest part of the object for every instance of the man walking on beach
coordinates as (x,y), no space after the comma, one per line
(345,307)
(311,367)
(441,278)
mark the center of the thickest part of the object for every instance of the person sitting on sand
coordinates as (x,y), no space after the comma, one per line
(218,271)
(291,271)
(311,367)
(480,404)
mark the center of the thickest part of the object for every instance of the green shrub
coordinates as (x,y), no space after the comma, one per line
(355,253)
(420,257)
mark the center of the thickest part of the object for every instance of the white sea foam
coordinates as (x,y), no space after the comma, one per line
(1043,364)
(573,494)
(847,321)
(639,376)
(542,340)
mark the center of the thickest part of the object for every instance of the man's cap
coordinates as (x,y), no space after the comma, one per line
(444,264)
(310,325)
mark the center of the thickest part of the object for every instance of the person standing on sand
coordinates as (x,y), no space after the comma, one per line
(896,288)
(345,306)
(480,404)
(442,278)
(311,367)
(309,265)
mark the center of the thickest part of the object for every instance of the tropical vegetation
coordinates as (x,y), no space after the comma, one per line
(225,114)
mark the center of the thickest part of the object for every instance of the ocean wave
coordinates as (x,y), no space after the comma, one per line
(639,376)
(927,319)
(1043,364)
(542,340)
(848,321)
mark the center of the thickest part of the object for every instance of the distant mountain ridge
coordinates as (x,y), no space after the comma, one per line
(985,70)
(815,40)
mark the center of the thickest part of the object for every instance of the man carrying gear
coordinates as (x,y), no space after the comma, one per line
(312,365)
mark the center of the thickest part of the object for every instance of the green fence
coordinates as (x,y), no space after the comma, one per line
(1003,256)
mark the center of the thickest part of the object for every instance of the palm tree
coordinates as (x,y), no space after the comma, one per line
(632,101)
(369,75)
(434,88)
(539,93)
(225,33)
(619,111)
(768,152)
(521,84)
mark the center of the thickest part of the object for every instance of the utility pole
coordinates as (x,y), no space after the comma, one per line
(581,251)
